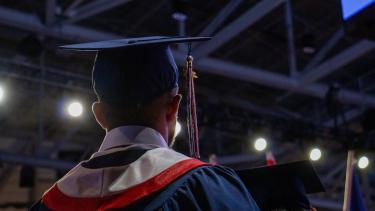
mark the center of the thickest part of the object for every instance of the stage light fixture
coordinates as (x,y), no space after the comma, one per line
(260,144)
(75,109)
(363,162)
(315,154)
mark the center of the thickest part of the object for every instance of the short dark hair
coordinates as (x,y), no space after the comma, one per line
(118,115)
(134,114)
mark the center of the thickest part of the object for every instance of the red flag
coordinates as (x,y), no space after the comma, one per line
(270,158)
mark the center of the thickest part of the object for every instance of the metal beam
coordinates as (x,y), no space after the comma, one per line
(332,172)
(37,162)
(50,12)
(234,101)
(230,100)
(16,147)
(290,34)
(45,82)
(216,98)
(29,22)
(41,106)
(59,144)
(230,160)
(338,61)
(274,80)
(66,73)
(349,115)
(317,58)
(325,50)
(240,24)
(355,112)
(71,7)
(247,105)
(150,13)
(220,17)
(327,204)
(207,65)
(93,8)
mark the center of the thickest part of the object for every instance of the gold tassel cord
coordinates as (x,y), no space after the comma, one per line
(191,109)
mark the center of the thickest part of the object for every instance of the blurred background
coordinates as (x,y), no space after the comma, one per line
(281,80)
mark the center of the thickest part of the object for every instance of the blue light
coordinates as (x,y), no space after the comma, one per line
(351,7)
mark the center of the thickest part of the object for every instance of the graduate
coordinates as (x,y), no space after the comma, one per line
(136,83)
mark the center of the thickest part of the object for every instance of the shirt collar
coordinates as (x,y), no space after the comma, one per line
(132,135)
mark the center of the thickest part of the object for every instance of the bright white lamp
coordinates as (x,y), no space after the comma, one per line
(75,109)
(260,144)
(315,154)
(363,162)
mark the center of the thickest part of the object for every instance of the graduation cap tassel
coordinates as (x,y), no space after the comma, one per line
(191,108)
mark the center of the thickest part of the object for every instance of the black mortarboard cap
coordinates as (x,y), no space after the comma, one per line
(134,70)
(283,186)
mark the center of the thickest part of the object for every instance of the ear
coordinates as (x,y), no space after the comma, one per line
(98,111)
(173,107)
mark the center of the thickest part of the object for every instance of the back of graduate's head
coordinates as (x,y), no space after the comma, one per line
(159,114)
(137,86)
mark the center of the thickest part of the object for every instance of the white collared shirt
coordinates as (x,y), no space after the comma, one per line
(132,135)
(96,182)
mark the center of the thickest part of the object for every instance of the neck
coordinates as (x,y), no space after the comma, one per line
(162,129)
(160,126)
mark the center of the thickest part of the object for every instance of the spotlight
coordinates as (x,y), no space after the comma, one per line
(260,144)
(75,109)
(177,129)
(363,162)
(315,154)
(2,93)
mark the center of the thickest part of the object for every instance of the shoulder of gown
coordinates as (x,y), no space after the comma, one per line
(204,188)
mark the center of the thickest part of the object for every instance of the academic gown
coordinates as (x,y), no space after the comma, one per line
(135,170)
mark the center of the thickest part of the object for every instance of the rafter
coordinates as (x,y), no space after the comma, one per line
(50,12)
(325,50)
(274,80)
(290,34)
(71,7)
(237,26)
(207,65)
(220,17)
(93,8)
(327,47)
(343,58)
